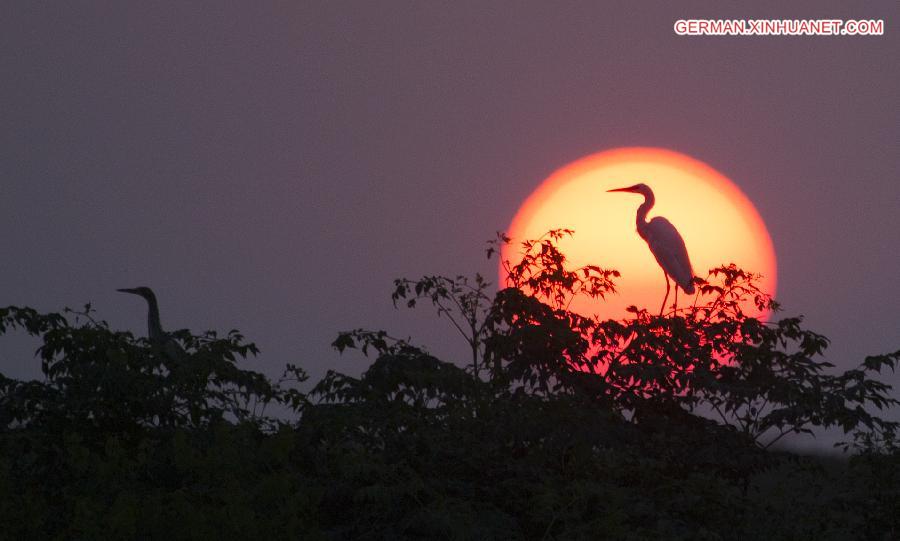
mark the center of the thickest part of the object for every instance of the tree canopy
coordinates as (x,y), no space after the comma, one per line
(558,426)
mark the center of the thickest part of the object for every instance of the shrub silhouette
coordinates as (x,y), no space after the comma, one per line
(559,426)
(765,379)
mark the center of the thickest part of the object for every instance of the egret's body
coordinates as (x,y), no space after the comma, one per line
(154,328)
(665,243)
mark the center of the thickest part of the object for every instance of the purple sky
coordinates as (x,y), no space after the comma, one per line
(273,168)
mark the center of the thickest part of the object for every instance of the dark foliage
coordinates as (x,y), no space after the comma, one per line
(558,427)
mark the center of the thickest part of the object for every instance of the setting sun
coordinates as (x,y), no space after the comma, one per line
(718,222)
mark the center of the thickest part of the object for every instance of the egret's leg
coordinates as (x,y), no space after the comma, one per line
(675,306)
(663,307)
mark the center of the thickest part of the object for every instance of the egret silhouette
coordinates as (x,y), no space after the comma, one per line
(665,242)
(154,328)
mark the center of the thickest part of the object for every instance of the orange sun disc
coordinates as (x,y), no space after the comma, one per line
(718,222)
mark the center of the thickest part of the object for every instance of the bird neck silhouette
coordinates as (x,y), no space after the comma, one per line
(643,210)
(170,346)
(154,327)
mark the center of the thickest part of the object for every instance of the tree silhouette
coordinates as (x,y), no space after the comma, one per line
(558,426)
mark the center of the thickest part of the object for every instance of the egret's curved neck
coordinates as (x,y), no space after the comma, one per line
(154,328)
(644,209)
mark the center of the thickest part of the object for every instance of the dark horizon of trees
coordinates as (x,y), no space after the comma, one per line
(561,426)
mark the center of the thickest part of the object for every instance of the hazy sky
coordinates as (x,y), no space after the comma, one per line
(273,167)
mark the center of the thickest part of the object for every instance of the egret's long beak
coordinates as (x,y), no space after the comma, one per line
(631,190)
(134,291)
